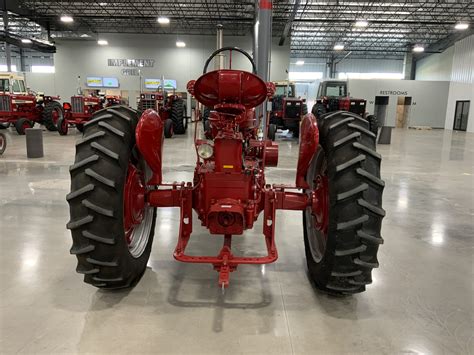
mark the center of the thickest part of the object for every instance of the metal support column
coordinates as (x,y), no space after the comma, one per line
(263,49)
(219,61)
(8,53)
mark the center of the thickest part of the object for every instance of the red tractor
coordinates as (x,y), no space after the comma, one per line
(23,109)
(287,110)
(334,96)
(171,109)
(81,108)
(116,186)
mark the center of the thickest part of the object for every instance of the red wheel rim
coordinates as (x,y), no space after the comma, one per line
(321,205)
(134,201)
(55,116)
(317,215)
(26,125)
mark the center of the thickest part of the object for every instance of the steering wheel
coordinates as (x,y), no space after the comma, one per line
(230,49)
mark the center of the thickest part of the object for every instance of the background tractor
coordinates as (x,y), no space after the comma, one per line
(287,109)
(333,95)
(171,109)
(81,108)
(116,186)
(23,108)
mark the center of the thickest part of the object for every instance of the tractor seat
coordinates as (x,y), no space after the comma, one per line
(229,89)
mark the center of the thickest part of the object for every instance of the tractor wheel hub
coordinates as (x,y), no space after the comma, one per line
(134,199)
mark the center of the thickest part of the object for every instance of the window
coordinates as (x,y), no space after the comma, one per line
(42,69)
(343,75)
(18,86)
(4,85)
(336,89)
(3,67)
(281,90)
(305,76)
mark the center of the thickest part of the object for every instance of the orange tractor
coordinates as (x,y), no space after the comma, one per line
(117,185)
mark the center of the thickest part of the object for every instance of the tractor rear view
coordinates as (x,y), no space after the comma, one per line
(333,95)
(117,185)
(22,108)
(171,108)
(287,110)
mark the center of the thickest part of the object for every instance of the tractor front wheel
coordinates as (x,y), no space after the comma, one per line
(3,143)
(168,129)
(52,113)
(342,229)
(272,129)
(62,126)
(23,124)
(112,225)
(80,127)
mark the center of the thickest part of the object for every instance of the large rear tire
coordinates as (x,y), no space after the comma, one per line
(373,124)
(52,113)
(318,110)
(168,128)
(178,116)
(107,187)
(342,234)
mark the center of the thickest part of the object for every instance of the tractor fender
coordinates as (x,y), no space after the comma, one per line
(149,136)
(309,141)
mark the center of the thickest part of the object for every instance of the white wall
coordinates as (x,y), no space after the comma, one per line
(85,58)
(429,99)
(462,81)
(456,66)
(436,67)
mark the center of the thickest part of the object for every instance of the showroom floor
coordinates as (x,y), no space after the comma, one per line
(420,301)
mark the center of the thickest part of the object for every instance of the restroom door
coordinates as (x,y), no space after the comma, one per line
(380,109)
(403,111)
(460,115)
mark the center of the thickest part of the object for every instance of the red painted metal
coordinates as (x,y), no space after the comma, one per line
(320,203)
(16,106)
(266,4)
(308,148)
(228,192)
(149,137)
(134,200)
(229,87)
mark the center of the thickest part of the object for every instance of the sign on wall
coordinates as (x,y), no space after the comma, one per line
(156,83)
(141,63)
(110,82)
(131,72)
(394,92)
(94,81)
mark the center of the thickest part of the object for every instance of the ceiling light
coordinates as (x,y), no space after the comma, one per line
(361,23)
(299,62)
(163,20)
(85,35)
(418,49)
(102,4)
(102,42)
(26,40)
(66,18)
(180,44)
(338,47)
(461,26)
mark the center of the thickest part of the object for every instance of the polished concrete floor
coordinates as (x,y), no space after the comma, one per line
(421,301)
